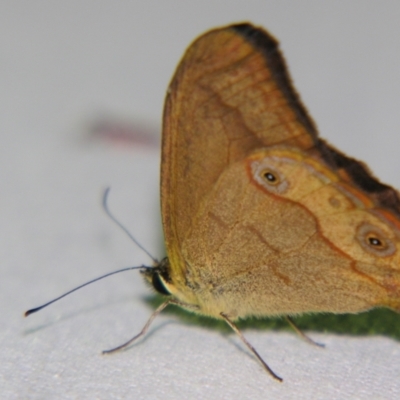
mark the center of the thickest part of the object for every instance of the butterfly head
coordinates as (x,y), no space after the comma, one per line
(159,277)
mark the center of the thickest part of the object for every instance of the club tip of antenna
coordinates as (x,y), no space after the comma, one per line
(29,312)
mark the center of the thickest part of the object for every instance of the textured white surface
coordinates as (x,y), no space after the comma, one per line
(63,63)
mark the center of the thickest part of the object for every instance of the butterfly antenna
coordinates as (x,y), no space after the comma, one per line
(36,309)
(111,216)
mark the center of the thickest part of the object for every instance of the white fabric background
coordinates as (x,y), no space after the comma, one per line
(63,64)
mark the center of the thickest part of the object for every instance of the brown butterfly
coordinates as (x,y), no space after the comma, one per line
(261,217)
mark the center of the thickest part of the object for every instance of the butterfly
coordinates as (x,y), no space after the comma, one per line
(262,217)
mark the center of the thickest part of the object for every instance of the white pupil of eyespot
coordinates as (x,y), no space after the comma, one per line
(374,241)
(270,177)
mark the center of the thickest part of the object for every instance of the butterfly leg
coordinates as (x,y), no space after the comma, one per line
(250,347)
(145,328)
(301,333)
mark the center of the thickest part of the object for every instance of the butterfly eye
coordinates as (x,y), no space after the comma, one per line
(158,284)
(373,240)
(270,177)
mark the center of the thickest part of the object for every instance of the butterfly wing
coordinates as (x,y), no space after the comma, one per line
(223,103)
(230,97)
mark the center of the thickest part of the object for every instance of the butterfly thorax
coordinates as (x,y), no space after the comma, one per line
(189,295)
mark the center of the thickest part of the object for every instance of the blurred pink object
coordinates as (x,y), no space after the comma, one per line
(125,133)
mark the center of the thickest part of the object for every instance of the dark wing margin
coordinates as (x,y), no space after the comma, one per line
(384,195)
(268,46)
